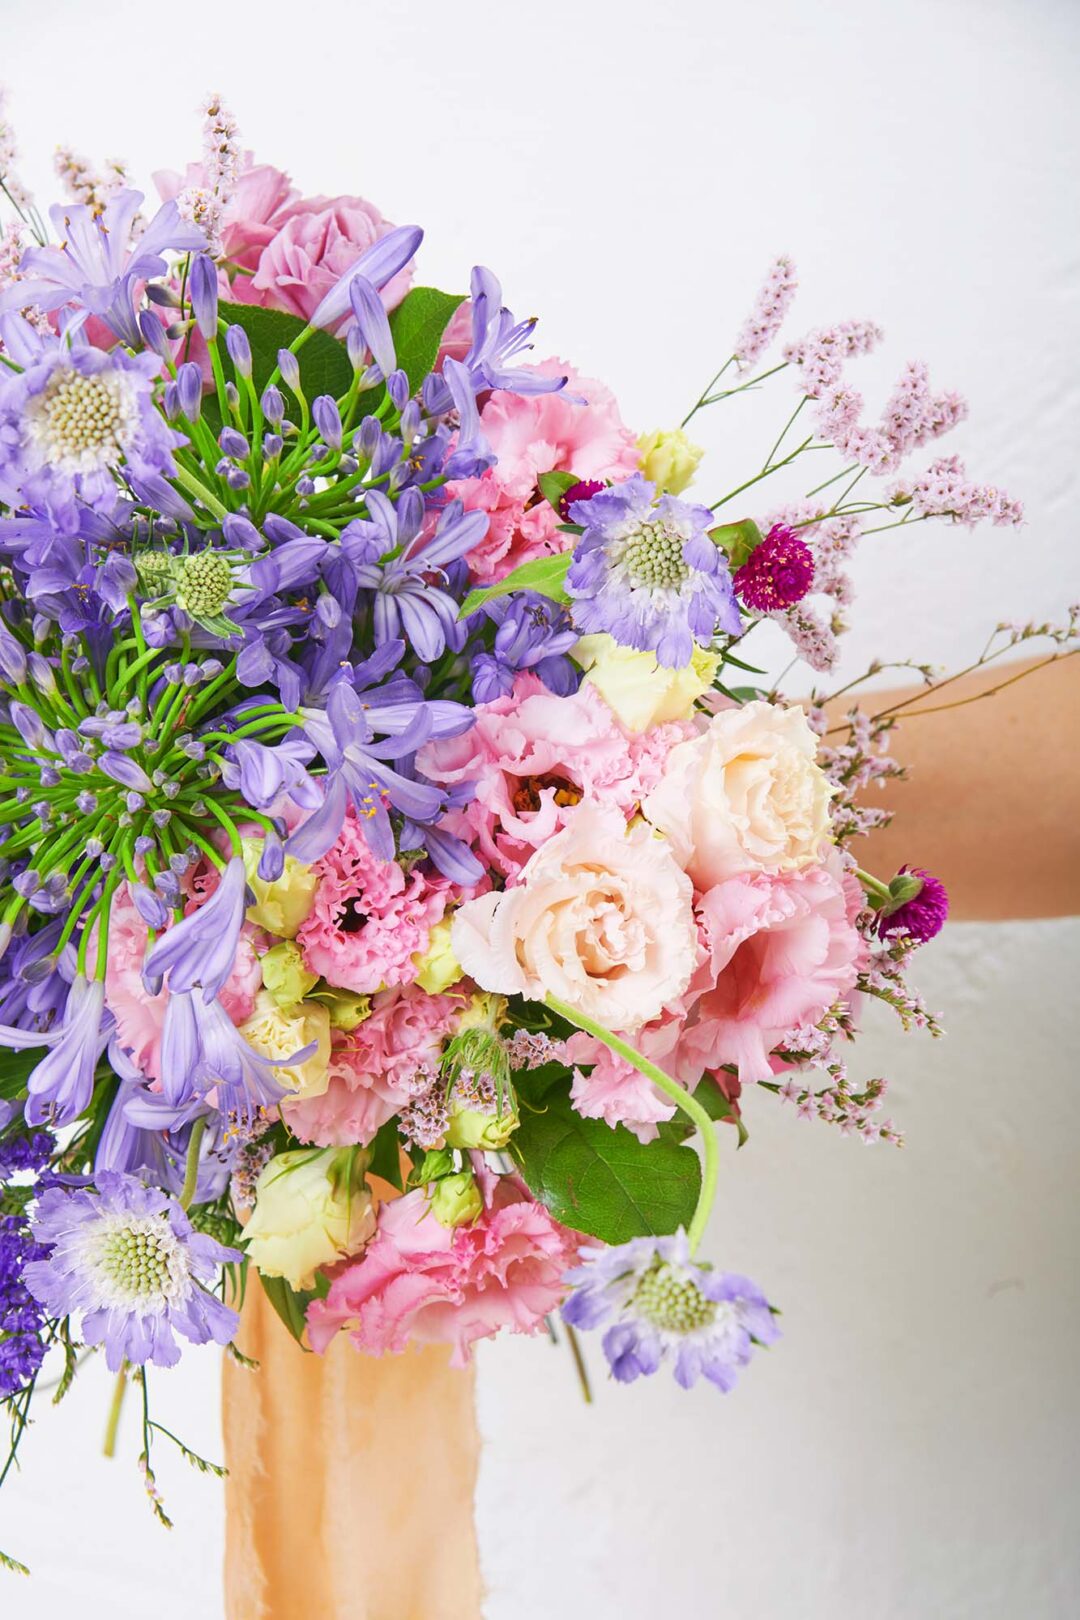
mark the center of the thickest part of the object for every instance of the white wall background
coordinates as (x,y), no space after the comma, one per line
(629,170)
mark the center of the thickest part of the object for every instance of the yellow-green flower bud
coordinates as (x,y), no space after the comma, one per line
(669,460)
(456,1200)
(437,968)
(281,906)
(311,1209)
(472,1128)
(347,1008)
(284,974)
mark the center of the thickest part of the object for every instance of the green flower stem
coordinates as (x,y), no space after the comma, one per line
(879,892)
(206,695)
(78,702)
(807,444)
(200,842)
(678,1095)
(193,486)
(229,825)
(191,1166)
(115,1408)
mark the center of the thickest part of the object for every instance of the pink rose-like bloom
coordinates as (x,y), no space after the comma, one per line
(376,1068)
(530,436)
(601,917)
(314,243)
(421,1282)
(368,918)
(781,951)
(533,757)
(615,1091)
(139,1015)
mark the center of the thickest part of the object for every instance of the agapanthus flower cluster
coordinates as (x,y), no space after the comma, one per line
(382,792)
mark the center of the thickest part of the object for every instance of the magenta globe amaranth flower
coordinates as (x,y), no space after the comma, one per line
(920,908)
(128,1258)
(778,573)
(584,490)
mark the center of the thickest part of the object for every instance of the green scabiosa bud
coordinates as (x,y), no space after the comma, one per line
(203,583)
(155,571)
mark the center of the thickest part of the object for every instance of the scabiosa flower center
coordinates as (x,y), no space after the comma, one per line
(672,1301)
(652,555)
(203,583)
(83,424)
(138,1262)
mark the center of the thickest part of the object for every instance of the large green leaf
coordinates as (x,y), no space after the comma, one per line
(417,325)
(15,1067)
(546,575)
(602,1180)
(290,1305)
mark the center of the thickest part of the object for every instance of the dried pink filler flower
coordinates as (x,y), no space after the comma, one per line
(778,573)
(767,315)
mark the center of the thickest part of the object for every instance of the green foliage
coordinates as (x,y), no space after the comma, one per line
(14,1069)
(597,1179)
(737,539)
(385,1153)
(290,1305)
(545,575)
(417,326)
(554,485)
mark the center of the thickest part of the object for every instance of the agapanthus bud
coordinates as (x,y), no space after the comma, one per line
(239,531)
(327,419)
(153,334)
(158,292)
(12,657)
(289,366)
(236,341)
(273,404)
(233,442)
(397,386)
(203,292)
(189,389)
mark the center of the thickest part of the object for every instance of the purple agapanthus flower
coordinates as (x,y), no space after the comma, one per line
(128,1258)
(62,1083)
(73,417)
(204,1056)
(497,339)
(94,266)
(646,571)
(145,1135)
(532,633)
(405,572)
(658,1304)
(200,950)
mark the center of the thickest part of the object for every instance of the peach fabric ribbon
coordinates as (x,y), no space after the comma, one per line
(350,1490)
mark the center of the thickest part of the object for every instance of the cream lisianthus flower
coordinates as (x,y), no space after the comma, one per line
(281,906)
(747,795)
(669,460)
(311,1209)
(638,690)
(601,917)
(278,1032)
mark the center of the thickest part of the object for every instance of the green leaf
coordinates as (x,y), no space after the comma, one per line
(289,1305)
(417,326)
(324,364)
(554,485)
(737,539)
(15,1066)
(385,1153)
(544,575)
(602,1180)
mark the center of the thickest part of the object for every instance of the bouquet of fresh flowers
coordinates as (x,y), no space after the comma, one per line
(403,858)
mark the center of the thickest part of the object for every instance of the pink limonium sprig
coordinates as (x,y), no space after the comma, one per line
(205,205)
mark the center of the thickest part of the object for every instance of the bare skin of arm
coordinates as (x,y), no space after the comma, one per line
(992,803)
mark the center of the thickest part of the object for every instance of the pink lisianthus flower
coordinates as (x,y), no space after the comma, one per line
(533,757)
(530,436)
(779,952)
(421,1282)
(368,918)
(314,243)
(614,1091)
(139,1015)
(377,1068)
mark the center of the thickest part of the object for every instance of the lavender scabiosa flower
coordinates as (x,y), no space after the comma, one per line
(919,908)
(647,572)
(128,1258)
(659,1305)
(778,573)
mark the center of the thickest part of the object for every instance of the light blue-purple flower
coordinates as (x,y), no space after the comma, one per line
(199,952)
(94,267)
(62,1083)
(378,264)
(658,1304)
(646,571)
(532,633)
(127,1258)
